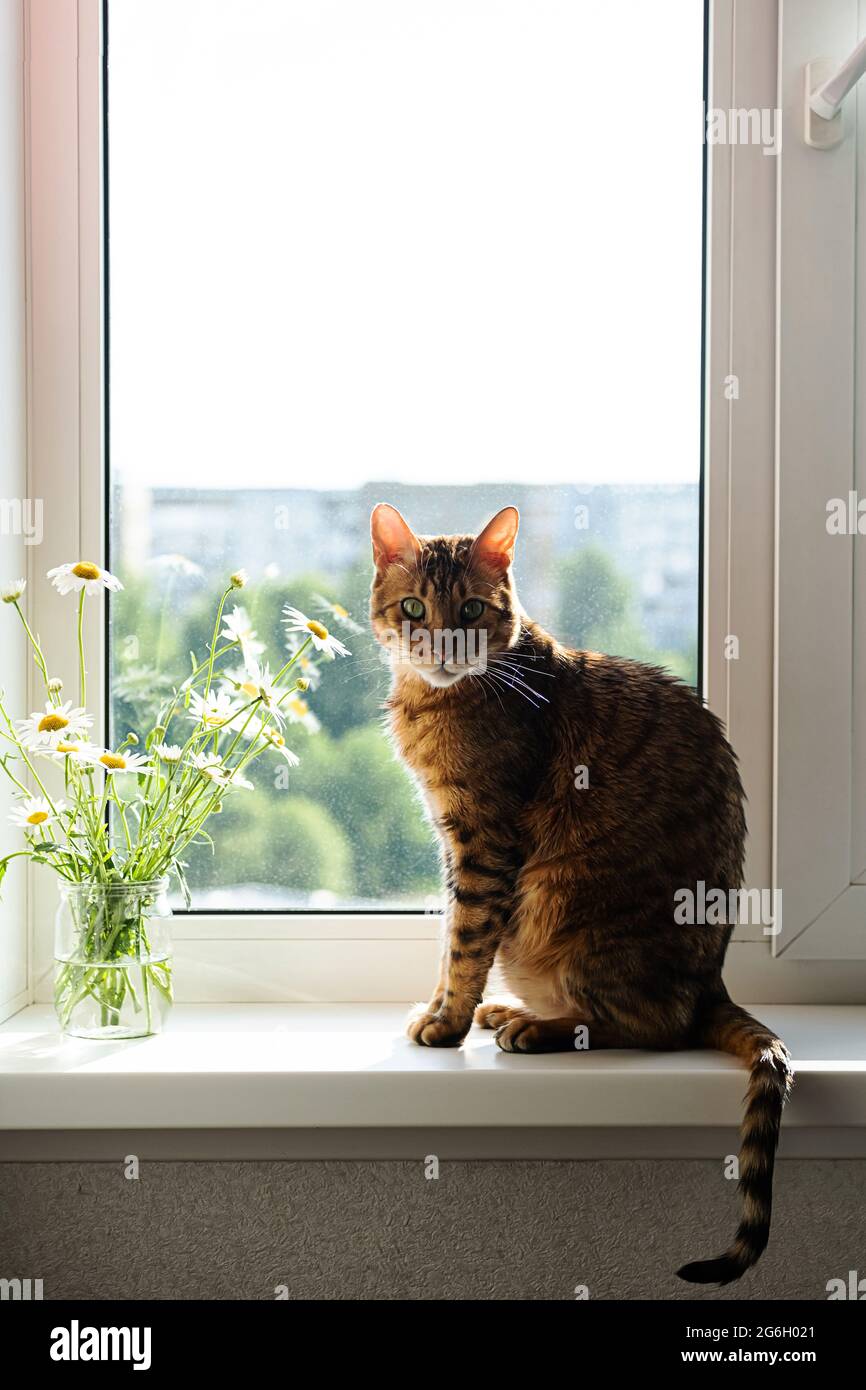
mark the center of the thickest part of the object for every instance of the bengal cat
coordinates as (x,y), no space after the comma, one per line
(573,794)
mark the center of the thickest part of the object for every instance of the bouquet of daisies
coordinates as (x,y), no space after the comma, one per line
(128,812)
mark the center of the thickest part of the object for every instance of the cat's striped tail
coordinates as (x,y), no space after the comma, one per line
(730,1029)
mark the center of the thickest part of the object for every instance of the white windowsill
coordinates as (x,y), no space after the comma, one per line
(287,1066)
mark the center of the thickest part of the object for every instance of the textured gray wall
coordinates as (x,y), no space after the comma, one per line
(380,1230)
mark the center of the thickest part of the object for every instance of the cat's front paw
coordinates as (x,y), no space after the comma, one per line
(434,1029)
(495,1014)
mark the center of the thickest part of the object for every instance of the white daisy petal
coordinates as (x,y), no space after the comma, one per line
(214,710)
(211,766)
(72,578)
(275,740)
(238,628)
(35,812)
(340,614)
(11,593)
(53,724)
(112,762)
(168,752)
(298,622)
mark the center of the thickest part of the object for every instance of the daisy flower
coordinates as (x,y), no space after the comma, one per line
(211,766)
(115,762)
(297,711)
(233,781)
(11,593)
(68,579)
(262,683)
(296,621)
(168,752)
(212,710)
(65,748)
(238,628)
(274,738)
(240,683)
(34,811)
(340,614)
(176,564)
(255,684)
(47,727)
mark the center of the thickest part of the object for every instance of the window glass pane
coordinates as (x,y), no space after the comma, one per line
(438,253)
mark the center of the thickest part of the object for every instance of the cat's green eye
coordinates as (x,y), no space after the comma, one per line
(472,609)
(412,608)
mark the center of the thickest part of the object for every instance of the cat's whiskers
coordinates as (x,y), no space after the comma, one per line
(509,659)
(479,677)
(518,688)
(514,678)
(367,672)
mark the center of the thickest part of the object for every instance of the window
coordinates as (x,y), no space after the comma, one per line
(618,364)
(418,251)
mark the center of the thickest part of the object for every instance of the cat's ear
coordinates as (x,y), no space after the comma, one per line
(494,547)
(394,542)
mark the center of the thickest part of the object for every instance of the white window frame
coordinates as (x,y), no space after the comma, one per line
(820,826)
(387,956)
(14,935)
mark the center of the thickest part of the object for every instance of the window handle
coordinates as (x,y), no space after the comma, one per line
(826,87)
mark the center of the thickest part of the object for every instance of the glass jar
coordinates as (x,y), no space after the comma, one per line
(112,959)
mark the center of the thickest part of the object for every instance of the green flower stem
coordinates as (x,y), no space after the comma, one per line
(194,782)
(82,674)
(172,809)
(168,712)
(122,809)
(168,849)
(146,987)
(214,638)
(292,659)
(13,778)
(252,706)
(84,801)
(151,808)
(37,650)
(216,797)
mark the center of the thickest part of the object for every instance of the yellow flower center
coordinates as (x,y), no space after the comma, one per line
(340,611)
(37,817)
(67,747)
(113,760)
(273,737)
(317,629)
(250,688)
(51,723)
(299,706)
(85,570)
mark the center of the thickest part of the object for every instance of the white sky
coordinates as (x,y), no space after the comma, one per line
(407,240)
